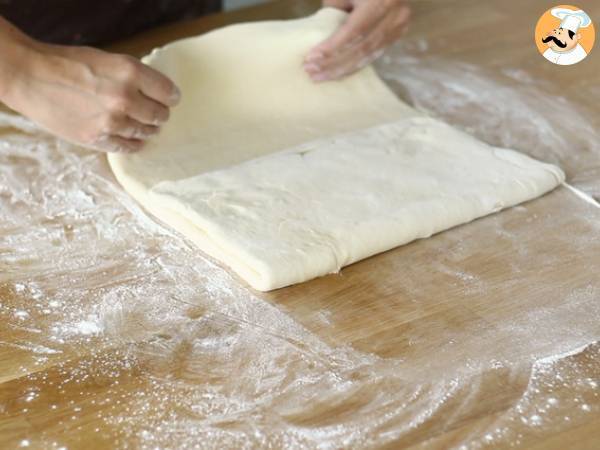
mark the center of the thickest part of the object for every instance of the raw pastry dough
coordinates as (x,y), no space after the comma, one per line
(310,208)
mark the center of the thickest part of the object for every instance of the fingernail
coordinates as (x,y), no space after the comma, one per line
(314,56)
(321,76)
(176,95)
(312,68)
(144,136)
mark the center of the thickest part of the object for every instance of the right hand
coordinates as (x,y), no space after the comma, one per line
(104,101)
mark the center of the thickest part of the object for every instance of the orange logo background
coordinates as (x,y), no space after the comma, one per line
(548,22)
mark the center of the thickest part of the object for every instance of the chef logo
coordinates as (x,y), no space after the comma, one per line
(565,35)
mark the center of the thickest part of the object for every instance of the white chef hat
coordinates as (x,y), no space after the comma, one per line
(571,20)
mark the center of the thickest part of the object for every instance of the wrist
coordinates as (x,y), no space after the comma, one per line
(16,52)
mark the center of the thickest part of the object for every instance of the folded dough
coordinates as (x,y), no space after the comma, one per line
(233,172)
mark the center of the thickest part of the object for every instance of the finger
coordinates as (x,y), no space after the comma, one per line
(352,59)
(129,128)
(118,144)
(158,87)
(400,21)
(348,66)
(147,111)
(364,52)
(360,22)
(123,145)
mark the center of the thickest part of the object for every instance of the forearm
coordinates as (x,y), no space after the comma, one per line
(15,47)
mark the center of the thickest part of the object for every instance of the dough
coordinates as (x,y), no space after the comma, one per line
(232,169)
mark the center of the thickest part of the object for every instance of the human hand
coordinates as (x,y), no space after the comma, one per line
(104,101)
(371,26)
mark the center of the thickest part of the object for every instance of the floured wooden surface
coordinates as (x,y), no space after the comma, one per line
(117,333)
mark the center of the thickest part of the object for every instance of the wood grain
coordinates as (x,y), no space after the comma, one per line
(475,329)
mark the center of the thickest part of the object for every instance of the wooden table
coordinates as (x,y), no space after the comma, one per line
(117,334)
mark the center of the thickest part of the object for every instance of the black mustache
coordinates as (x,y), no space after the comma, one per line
(556,41)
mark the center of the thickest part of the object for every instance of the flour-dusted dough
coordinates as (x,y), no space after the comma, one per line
(233,171)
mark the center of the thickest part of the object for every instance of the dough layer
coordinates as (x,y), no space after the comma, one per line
(232,170)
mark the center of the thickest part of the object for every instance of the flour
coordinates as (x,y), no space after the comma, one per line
(162,348)
(528,116)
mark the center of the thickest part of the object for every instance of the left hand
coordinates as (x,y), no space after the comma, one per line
(371,26)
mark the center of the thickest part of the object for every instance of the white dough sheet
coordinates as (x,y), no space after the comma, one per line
(117,330)
(233,172)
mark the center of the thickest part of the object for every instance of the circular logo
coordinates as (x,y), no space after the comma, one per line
(565,35)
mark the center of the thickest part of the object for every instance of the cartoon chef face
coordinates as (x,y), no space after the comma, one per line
(561,40)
